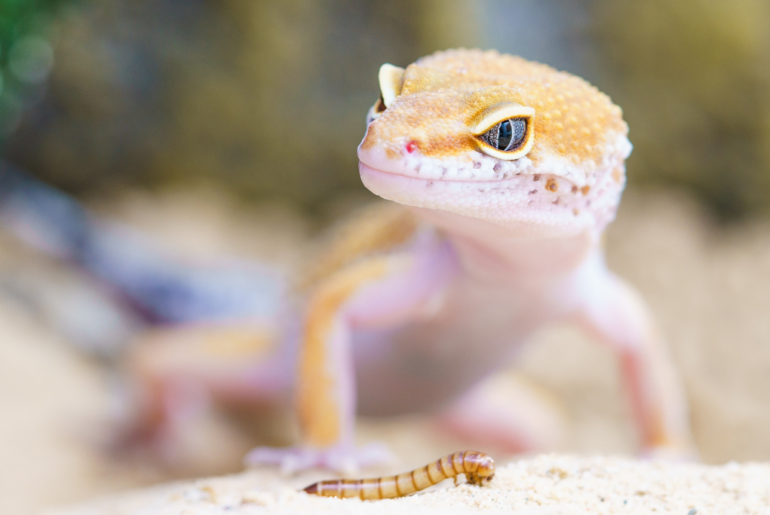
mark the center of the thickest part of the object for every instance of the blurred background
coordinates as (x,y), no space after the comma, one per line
(226,129)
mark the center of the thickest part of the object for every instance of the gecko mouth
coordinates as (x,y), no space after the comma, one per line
(362,166)
(385,183)
(390,183)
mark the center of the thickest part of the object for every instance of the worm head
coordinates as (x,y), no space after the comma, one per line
(484,473)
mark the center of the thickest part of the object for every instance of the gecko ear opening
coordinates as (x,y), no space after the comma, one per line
(391,80)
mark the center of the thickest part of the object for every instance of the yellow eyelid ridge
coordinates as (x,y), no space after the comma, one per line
(492,116)
(391,80)
(496,114)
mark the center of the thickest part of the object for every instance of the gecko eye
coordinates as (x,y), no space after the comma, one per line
(505,131)
(507,135)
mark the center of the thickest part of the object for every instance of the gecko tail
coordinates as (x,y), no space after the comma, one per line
(159,288)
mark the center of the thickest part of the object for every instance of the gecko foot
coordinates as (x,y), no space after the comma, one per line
(345,459)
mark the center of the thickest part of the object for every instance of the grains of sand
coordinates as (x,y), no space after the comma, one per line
(547,484)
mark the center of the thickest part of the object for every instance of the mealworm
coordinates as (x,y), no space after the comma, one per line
(478,468)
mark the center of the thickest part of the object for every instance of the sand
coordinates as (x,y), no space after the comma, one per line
(548,484)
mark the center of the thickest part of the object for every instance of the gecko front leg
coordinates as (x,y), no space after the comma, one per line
(379,292)
(614,312)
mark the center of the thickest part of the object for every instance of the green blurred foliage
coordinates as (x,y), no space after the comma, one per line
(26,55)
(267,98)
(693,77)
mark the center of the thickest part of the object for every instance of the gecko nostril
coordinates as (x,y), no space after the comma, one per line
(411,146)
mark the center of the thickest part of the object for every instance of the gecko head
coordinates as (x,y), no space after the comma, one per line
(495,137)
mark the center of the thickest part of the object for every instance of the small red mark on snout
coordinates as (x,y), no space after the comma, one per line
(411,147)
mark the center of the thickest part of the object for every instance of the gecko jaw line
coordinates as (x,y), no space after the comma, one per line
(370,170)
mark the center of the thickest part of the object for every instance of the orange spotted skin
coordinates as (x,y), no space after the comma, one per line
(378,228)
(316,399)
(445,93)
(478,468)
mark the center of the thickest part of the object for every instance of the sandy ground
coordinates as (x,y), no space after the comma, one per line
(550,484)
(708,286)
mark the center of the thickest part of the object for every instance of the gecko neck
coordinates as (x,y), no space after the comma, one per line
(490,252)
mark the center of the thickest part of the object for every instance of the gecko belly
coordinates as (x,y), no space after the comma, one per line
(428,363)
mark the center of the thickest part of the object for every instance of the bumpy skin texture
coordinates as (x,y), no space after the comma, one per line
(415,305)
